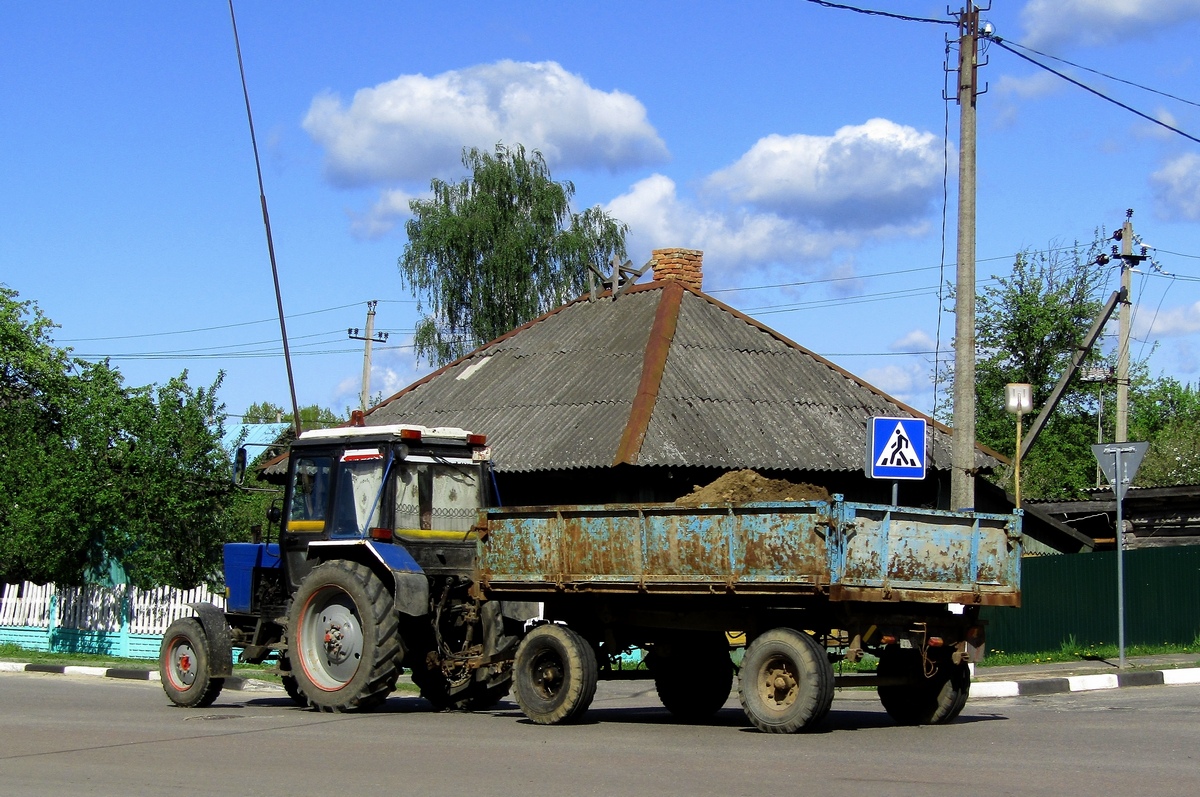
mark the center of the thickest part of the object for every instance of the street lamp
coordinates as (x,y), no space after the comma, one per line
(1018,399)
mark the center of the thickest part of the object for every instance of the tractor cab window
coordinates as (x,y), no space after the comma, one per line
(310,493)
(433,496)
(356,505)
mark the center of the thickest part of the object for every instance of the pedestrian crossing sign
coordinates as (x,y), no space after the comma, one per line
(896,448)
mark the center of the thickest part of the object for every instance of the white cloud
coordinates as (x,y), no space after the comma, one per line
(916,340)
(848,283)
(414,127)
(1148,130)
(1039,84)
(1177,188)
(389,210)
(866,176)
(908,383)
(1172,322)
(1095,22)
(657,218)
(392,370)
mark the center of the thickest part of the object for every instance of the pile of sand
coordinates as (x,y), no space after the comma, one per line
(746,486)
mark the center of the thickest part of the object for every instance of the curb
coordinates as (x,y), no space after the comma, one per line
(979,689)
(1084,683)
(235,683)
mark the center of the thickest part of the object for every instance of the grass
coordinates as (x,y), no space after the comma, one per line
(1073,651)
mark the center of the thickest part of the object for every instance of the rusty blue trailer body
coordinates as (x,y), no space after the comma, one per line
(845,550)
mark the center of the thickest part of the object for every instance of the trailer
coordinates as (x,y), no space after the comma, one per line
(392,557)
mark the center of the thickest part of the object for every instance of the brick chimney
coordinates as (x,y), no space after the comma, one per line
(684,265)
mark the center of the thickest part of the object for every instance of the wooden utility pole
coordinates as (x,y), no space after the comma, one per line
(962,455)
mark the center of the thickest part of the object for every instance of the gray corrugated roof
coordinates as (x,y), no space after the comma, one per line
(559,393)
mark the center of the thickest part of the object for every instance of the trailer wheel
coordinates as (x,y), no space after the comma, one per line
(344,641)
(786,682)
(693,675)
(555,675)
(932,699)
(184,668)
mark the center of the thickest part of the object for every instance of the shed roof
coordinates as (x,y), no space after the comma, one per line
(660,375)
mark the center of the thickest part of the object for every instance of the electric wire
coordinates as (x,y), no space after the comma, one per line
(1104,74)
(1003,45)
(876,13)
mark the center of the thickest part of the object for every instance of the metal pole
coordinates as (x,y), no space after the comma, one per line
(1018,462)
(962,471)
(895,493)
(262,199)
(1119,492)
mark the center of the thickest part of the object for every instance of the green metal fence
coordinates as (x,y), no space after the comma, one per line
(1075,595)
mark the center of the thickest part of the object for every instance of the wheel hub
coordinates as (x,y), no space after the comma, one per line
(548,676)
(779,683)
(183,662)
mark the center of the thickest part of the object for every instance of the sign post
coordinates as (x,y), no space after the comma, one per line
(896,450)
(1120,462)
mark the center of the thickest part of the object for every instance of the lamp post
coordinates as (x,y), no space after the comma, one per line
(1018,399)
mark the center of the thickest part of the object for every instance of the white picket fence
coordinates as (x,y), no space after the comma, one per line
(94,608)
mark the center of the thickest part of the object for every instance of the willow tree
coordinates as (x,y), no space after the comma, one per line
(498,249)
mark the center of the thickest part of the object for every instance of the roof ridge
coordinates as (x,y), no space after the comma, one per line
(658,346)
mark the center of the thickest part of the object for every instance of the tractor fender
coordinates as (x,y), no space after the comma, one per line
(220,644)
(411,585)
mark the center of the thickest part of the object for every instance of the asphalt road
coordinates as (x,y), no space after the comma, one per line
(65,735)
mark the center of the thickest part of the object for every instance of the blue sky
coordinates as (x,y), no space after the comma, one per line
(800,147)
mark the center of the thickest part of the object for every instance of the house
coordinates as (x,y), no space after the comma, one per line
(644,391)
(1153,517)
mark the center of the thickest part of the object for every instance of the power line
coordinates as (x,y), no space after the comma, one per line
(1000,43)
(1105,75)
(875,13)
(206,329)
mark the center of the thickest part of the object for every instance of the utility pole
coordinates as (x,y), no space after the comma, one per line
(962,455)
(368,339)
(1128,261)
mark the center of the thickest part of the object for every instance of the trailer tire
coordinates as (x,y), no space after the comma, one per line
(184,667)
(926,700)
(344,639)
(786,682)
(554,675)
(693,675)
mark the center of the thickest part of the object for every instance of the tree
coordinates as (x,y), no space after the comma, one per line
(1167,415)
(312,416)
(498,249)
(92,471)
(1028,325)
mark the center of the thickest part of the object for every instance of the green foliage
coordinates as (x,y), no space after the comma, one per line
(93,471)
(498,249)
(313,416)
(1167,415)
(1028,324)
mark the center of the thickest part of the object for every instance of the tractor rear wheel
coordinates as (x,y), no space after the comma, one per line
(344,639)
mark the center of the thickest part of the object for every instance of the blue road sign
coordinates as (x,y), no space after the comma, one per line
(896,448)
